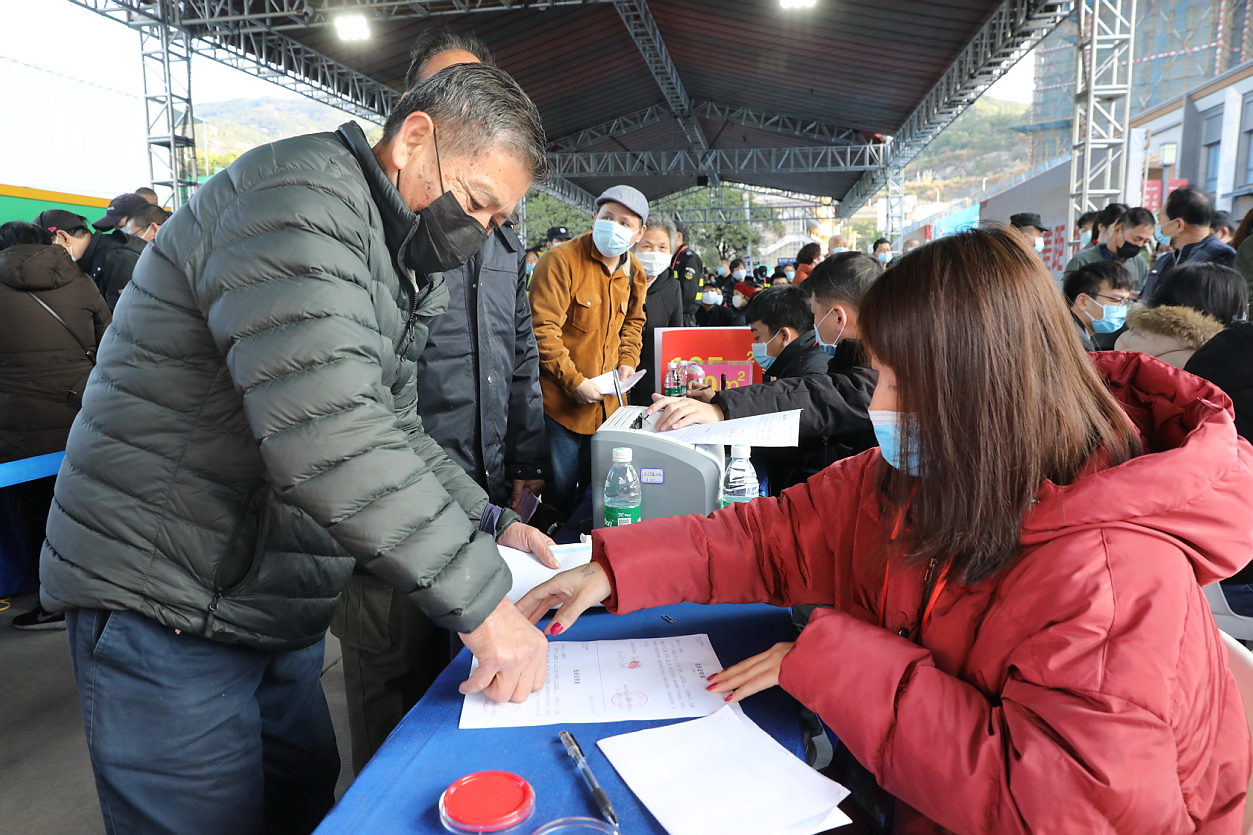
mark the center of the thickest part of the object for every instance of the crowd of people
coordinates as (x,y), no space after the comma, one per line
(323,393)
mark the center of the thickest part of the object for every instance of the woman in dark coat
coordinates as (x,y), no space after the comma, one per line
(44,365)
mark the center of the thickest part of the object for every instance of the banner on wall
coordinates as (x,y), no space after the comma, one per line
(717,351)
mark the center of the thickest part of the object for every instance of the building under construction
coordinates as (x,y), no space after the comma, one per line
(1178,45)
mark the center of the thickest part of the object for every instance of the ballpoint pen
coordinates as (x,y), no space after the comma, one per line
(598,794)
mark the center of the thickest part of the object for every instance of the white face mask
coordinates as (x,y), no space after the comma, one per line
(1039,244)
(612,239)
(737,300)
(654,263)
(739,275)
(711,297)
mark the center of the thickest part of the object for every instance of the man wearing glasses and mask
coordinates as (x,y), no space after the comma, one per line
(249,435)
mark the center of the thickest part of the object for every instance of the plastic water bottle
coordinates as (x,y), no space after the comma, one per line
(623,494)
(674,385)
(740,482)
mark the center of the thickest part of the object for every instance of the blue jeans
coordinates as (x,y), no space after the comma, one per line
(571,467)
(1239,598)
(196,737)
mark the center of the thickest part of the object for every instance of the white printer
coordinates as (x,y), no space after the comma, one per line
(677,478)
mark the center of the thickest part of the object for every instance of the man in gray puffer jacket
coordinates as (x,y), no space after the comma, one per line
(250,433)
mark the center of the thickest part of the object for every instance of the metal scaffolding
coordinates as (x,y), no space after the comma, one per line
(896,208)
(833,159)
(748,117)
(1101,125)
(166,54)
(643,28)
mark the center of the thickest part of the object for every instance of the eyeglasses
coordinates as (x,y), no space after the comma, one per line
(1118,301)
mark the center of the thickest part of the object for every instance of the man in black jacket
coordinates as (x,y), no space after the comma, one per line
(1186,219)
(107,257)
(783,334)
(479,399)
(834,420)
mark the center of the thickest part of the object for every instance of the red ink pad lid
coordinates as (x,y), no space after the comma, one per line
(486,801)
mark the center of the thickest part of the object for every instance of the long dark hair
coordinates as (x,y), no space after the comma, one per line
(1205,286)
(1001,393)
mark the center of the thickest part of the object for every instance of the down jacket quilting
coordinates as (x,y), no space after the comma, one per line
(250,427)
(1083,689)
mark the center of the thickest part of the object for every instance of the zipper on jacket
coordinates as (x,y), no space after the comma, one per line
(928,586)
(213,604)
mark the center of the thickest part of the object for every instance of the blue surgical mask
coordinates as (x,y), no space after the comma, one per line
(789,274)
(1085,238)
(839,249)
(612,239)
(759,353)
(739,274)
(828,348)
(884,257)
(530,268)
(722,270)
(1112,319)
(1162,239)
(887,430)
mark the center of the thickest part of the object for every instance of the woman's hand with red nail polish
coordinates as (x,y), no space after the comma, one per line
(752,675)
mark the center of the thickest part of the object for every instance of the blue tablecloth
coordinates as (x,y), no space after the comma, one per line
(398,792)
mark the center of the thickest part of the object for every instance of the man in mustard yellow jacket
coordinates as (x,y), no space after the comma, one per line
(587,305)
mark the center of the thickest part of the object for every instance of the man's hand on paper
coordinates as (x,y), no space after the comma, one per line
(625,372)
(522,537)
(752,675)
(683,411)
(575,591)
(588,392)
(512,655)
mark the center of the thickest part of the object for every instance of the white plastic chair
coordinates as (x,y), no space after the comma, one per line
(1228,621)
(1240,661)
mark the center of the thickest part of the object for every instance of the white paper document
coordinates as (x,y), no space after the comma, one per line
(724,774)
(605,381)
(528,572)
(610,681)
(774,430)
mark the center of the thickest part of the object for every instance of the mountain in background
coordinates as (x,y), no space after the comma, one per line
(232,127)
(980,143)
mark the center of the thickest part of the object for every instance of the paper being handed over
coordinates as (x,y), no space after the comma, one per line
(605,382)
(610,681)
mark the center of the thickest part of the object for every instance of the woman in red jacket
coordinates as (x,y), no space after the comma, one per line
(1019,641)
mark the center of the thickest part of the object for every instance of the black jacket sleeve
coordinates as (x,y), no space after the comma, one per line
(834,404)
(117,266)
(526,442)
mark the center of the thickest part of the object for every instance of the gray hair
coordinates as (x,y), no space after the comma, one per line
(475,107)
(667,225)
(442,39)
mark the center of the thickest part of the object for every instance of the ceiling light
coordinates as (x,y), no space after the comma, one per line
(353,27)
(797,4)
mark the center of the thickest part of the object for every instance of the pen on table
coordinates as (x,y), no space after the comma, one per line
(598,794)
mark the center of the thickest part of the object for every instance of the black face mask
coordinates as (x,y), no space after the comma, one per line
(447,237)
(1128,251)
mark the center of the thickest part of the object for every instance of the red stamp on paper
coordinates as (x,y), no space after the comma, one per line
(634,665)
(629,700)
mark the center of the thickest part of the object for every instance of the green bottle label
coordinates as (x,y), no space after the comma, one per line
(726,500)
(616,517)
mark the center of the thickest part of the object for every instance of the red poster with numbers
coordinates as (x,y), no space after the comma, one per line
(718,351)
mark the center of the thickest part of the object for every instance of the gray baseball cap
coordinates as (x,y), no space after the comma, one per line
(627,196)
